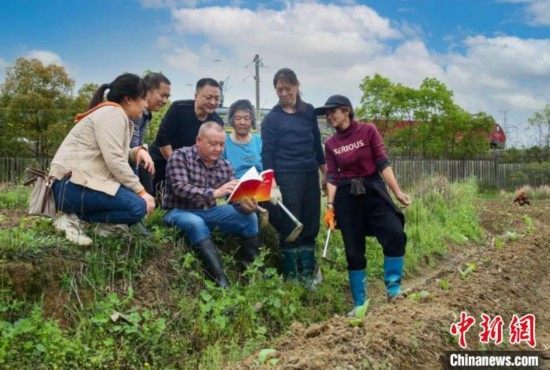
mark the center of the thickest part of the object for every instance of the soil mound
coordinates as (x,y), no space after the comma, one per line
(511,277)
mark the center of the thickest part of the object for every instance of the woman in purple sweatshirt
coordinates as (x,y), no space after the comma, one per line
(358,200)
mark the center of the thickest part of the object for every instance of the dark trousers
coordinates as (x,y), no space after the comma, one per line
(368,214)
(144,178)
(302,197)
(160,175)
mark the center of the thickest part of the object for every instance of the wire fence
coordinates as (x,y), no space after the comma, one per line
(489,172)
(12,170)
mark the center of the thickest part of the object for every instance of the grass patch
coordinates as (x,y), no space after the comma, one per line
(14,196)
(140,303)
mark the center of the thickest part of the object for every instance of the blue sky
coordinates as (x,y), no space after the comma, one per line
(493,54)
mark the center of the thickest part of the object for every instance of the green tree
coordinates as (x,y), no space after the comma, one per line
(37,100)
(375,102)
(84,97)
(436,113)
(385,103)
(541,122)
(423,121)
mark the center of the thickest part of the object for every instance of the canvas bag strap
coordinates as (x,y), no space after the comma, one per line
(35,173)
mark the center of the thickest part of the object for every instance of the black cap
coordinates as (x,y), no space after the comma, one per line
(333,102)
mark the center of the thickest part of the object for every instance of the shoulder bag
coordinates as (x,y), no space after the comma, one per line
(41,201)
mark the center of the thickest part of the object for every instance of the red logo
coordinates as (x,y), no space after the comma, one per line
(523,330)
(462,327)
(492,329)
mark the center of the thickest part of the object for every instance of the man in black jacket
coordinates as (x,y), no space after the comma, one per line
(180,125)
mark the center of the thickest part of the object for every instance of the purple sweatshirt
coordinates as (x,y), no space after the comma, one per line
(357,151)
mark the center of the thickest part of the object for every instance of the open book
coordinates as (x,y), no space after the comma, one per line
(253,184)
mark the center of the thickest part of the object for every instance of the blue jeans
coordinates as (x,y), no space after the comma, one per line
(197,223)
(125,207)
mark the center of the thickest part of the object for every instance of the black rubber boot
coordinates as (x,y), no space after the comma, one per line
(306,264)
(289,263)
(249,250)
(141,230)
(210,255)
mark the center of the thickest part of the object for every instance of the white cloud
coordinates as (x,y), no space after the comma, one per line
(171,3)
(314,46)
(537,11)
(489,74)
(501,73)
(183,59)
(45,56)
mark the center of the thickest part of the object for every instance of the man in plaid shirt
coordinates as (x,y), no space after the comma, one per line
(195,177)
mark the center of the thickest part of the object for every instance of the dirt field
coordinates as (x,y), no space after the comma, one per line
(512,278)
(414,334)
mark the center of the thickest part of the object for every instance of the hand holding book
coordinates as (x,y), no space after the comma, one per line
(253,185)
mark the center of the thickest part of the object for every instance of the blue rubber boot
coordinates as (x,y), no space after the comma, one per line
(358,285)
(289,263)
(393,272)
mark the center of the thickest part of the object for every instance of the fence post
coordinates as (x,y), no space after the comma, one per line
(497,180)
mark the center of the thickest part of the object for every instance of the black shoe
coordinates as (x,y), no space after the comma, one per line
(141,230)
(212,260)
(248,251)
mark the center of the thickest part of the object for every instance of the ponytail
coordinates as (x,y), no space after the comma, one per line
(126,85)
(98,96)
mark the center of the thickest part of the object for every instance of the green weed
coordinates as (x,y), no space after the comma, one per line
(470,267)
(15,197)
(529,226)
(265,357)
(189,322)
(499,243)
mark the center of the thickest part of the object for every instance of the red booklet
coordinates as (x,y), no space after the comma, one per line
(253,184)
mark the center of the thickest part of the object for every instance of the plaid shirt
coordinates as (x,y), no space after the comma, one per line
(189,183)
(140,127)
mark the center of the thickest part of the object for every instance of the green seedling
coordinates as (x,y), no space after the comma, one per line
(499,243)
(359,314)
(529,226)
(512,235)
(420,296)
(468,270)
(265,357)
(444,284)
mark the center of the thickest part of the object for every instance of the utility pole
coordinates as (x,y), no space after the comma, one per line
(222,92)
(504,114)
(257,78)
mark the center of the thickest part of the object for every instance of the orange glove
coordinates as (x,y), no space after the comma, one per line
(329,220)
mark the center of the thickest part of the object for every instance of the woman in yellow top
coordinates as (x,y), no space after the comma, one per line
(94,179)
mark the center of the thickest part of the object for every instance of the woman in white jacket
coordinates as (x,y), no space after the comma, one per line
(94,179)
